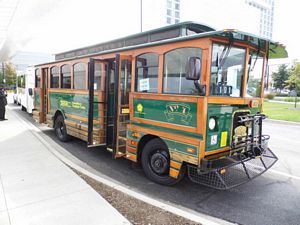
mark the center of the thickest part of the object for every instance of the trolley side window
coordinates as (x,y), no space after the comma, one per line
(66,76)
(79,76)
(175,81)
(147,73)
(54,77)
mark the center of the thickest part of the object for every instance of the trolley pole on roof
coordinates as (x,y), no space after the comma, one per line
(141,19)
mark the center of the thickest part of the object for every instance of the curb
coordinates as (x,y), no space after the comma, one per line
(284,122)
(82,167)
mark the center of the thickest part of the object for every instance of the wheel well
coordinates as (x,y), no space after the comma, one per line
(57,113)
(144,140)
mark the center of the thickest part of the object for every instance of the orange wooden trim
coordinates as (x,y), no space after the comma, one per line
(167,97)
(225,100)
(133,72)
(131,157)
(173,173)
(207,75)
(171,136)
(204,66)
(164,124)
(202,150)
(131,150)
(131,142)
(175,164)
(160,74)
(217,151)
(85,119)
(126,57)
(201,115)
(245,77)
(131,109)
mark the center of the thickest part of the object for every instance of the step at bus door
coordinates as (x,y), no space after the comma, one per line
(97,103)
(121,104)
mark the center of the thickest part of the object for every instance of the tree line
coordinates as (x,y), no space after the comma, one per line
(8,75)
(288,78)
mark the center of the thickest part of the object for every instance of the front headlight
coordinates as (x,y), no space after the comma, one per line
(212,123)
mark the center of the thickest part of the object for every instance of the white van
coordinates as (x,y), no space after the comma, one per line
(24,93)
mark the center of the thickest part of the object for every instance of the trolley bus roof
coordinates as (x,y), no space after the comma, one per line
(169,34)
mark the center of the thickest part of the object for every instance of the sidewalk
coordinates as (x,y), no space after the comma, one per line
(36,188)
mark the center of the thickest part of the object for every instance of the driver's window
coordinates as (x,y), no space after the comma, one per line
(227,70)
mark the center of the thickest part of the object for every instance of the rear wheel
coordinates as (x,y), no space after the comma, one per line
(23,108)
(156,163)
(60,129)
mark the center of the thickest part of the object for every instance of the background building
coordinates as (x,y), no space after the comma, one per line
(254,16)
(266,9)
(172,11)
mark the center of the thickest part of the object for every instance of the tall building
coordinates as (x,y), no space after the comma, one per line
(221,14)
(253,16)
(172,11)
(266,9)
(160,13)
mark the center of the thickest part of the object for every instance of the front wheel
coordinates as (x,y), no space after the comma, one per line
(156,163)
(60,129)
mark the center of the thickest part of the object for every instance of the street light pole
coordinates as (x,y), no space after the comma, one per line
(141,12)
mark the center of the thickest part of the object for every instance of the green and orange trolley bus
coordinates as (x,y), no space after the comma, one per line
(182,99)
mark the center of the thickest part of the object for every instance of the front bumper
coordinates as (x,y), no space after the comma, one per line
(248,158)
(232,171)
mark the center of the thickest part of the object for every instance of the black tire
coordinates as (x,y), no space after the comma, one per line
(156,163)
(60,129)
(24,108)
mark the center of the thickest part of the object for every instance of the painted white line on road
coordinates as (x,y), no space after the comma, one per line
(284,174)
(177,210)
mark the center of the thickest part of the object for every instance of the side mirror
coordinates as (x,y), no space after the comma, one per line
(193,68)
(30,92)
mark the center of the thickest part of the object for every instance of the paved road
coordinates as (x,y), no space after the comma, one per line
(273,198)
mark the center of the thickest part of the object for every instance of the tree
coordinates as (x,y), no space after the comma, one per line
(10,74)
(294,79)
(280,77)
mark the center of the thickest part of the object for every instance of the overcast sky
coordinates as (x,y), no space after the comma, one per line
(58,25)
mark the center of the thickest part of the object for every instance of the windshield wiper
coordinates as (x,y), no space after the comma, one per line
(224,55)
(257,54)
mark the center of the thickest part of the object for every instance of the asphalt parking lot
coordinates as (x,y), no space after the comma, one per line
(273,198)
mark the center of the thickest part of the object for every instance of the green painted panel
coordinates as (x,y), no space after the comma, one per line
(181,147)
(164,129)
(172,145)
(75,104)
(172,112)
(224,117)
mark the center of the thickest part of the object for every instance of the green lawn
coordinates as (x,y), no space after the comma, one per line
(282,111)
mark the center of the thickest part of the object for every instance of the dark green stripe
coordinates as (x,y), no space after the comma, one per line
(169,130)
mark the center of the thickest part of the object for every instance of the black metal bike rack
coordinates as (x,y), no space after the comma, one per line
(247,159)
